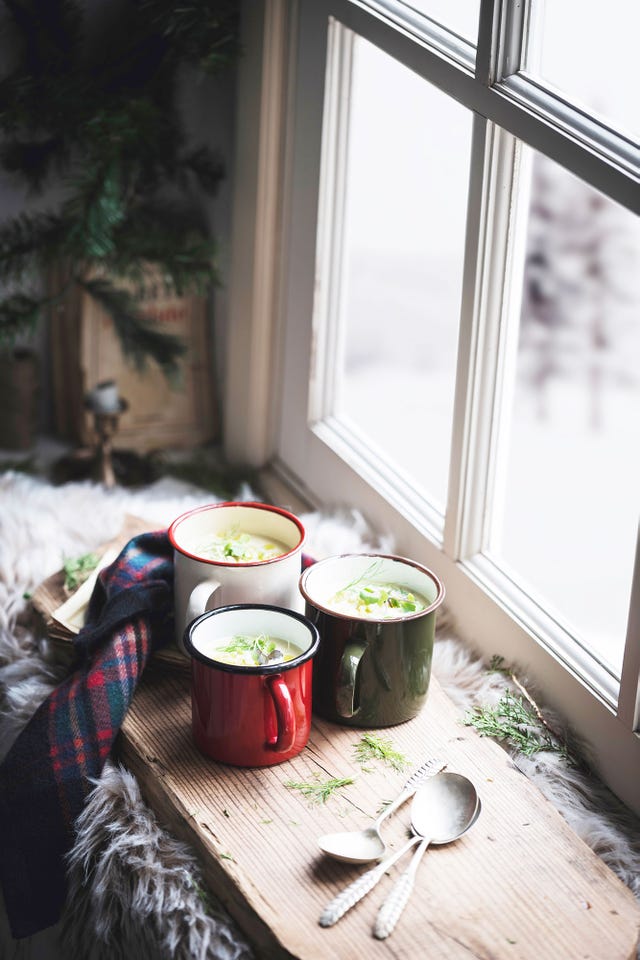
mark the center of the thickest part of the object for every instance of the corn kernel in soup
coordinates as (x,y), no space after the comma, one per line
(235,546)
(380,601)
(254,650)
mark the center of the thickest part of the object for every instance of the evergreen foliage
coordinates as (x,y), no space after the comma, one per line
(97,113)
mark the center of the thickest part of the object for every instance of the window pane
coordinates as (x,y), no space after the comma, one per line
(573,479)
(406,190)
(460,17)
(588,52)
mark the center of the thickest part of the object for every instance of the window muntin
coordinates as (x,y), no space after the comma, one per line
(589,56)
(402,264)
(568,526)
(460,17)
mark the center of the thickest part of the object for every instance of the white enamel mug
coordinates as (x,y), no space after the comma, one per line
(202,584)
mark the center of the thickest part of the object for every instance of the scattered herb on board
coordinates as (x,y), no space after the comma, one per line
(318,790)
(77,570)
(372,747)
(204,896)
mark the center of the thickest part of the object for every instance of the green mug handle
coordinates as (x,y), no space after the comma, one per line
(347,677)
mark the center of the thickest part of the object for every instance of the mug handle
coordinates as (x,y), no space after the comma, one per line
(346,681)
(285,736)
(201,599)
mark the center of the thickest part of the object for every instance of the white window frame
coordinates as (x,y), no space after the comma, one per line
(283,249)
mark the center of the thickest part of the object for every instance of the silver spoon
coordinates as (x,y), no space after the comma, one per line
(360,887)
(363,846)
(448,807)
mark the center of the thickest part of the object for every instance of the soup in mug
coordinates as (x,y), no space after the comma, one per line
(253,650)
(236,546)
(365,597)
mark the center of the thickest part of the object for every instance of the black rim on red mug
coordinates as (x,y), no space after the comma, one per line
(261,669)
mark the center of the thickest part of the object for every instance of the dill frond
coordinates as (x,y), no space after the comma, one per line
(319,791)
(373,747)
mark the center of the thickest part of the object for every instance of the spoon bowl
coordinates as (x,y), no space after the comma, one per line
(354,846)
(363,846)
(444,808)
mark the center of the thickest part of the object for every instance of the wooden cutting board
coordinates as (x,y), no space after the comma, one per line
(519,886)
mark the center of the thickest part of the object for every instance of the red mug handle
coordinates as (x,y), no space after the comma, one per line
(285,736)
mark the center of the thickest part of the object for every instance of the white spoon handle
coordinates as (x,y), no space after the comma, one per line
(352,894)
(392,908)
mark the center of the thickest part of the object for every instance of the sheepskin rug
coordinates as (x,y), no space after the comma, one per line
(134,890)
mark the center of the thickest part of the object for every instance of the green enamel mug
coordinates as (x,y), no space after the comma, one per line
(376,617)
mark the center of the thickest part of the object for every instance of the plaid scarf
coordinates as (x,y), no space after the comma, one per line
(47,774)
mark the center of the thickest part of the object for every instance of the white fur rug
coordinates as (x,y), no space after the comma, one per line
(134,890)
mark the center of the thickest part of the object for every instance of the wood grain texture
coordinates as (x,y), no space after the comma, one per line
(519,885)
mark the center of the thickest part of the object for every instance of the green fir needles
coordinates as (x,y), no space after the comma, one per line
(517,720)
(513,721)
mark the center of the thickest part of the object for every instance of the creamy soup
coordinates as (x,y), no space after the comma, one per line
(236,546)
(380,601)
(253,650)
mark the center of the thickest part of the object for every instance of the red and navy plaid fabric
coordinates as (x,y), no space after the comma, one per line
(46,776)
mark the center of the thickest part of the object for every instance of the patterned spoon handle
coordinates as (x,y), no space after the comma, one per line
(428,769)
(392,908)
(359,888)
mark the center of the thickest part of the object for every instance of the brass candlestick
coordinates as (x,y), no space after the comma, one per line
(105,422)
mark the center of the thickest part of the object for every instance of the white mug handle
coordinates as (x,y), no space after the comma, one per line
(202,598)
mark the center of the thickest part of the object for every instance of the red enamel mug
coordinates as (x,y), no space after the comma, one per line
(252,708)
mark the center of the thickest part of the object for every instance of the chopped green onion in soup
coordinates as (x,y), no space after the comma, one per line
(380,601)
(236,546)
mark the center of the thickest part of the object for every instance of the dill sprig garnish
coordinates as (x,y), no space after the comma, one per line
(373,747)
(366,574)
(319,791)
(254,646)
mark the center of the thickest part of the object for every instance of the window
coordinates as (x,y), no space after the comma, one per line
(400,244)
(572,455)
(456,326)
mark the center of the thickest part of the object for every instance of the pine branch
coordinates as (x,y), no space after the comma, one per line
(28,241)
(202,31)
(166,238)
(95,210)
(138,337)
(106,121)
(19,314)
(513,721)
